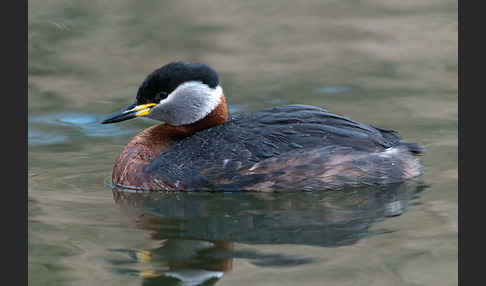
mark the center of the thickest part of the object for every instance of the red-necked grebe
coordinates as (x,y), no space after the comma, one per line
(198,146)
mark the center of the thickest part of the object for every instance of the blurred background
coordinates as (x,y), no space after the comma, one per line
(392,64)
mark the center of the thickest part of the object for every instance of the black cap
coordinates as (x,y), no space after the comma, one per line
(161,82)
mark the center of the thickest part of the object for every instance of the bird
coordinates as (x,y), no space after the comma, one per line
(198,146)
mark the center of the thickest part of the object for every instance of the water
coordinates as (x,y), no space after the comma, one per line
(392,64)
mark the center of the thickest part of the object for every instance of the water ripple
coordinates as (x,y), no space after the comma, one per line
(88,124)
(333,89)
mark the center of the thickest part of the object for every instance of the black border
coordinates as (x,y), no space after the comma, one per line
(14,140)
(14,137)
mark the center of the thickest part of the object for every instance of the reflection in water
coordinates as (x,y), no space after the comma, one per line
(197,230)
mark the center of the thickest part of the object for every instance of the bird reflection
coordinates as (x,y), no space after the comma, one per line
(196,231)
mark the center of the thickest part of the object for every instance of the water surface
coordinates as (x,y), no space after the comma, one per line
(392,64)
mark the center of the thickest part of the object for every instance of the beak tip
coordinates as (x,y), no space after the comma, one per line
(109,120)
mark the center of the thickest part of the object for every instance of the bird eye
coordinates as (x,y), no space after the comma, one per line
(159,96)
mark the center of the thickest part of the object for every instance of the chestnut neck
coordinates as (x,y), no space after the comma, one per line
(156,139)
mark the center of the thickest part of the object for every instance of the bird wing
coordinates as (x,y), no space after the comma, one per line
(224,154)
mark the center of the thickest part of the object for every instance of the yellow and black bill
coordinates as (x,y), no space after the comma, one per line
(132,111)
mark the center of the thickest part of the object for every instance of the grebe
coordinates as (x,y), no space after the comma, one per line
(294,147)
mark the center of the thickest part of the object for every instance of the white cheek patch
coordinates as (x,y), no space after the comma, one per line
(188,103)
